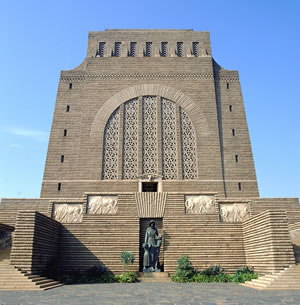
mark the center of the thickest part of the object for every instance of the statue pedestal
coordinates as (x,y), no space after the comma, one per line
(151,269)
(153,277)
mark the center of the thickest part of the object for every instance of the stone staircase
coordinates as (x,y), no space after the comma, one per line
(153,277)
(289,278)
(13,279)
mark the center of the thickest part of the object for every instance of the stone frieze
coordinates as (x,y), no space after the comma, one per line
(234,212)
(67,212)
(107,205)
(199,204)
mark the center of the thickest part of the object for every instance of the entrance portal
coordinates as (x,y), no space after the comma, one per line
(144,224)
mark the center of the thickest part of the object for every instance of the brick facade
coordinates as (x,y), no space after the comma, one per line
(152,110)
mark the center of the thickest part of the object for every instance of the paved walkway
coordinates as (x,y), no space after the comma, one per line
(151,293)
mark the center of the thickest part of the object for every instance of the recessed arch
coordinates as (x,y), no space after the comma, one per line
(178,97)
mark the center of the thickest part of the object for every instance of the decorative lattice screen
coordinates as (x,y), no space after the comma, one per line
(142,147)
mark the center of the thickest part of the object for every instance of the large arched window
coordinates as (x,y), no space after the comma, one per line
(149,135)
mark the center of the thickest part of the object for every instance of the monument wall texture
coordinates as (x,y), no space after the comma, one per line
(209,96)
(149,126)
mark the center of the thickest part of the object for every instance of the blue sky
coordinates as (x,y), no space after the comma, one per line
(260,39)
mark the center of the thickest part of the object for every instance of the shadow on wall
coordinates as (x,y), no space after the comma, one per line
(5,244)
(73,254)
(82,247)
(73,258)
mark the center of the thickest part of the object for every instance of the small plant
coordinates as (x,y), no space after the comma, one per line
(213,270)
(96,271)
(244,274)
(126,277)
(184,271)
(245,269)
(243,277)
(126,259)
(220,278)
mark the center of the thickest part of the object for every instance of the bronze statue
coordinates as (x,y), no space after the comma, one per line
(151,247)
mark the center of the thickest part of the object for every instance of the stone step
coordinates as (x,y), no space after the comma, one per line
(50,285)
(53,285)
(289,278)
(153,277)
(153,274)
(13,279)
(153,280)
(284,286)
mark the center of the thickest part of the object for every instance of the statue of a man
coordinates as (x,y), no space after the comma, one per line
(151,247)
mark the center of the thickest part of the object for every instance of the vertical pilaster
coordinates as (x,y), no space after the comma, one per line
(121,140)
(178,143)
(159,137)
(140,136)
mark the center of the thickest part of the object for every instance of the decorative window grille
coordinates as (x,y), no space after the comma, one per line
(164,49)
(179,49)
(132,49)
(168,139)
(148,52)
(101,50)
(149,138)
(149,135)
(130,139)
(188,148)
(111,146)
(117,52)
(196,49)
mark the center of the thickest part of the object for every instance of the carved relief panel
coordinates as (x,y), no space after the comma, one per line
(67,212)
(105,205)
(234,212)
(199,204)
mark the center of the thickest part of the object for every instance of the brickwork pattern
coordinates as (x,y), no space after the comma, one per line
(193,81)
(36,242)
(268,247)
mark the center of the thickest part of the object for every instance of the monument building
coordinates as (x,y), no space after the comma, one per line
(150,127)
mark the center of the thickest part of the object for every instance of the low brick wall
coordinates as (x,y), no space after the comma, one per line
(36,241)
(267,243)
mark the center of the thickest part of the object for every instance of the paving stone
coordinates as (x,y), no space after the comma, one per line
(151,293)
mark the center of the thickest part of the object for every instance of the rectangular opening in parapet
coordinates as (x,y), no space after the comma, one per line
(149,186)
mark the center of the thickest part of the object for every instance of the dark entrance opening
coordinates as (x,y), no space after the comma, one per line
(149,187)
(144,224)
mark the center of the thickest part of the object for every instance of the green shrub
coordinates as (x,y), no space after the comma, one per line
(184,270)
(213,270)
(245,269)
(180,279)
(95,274)
(96,271)
(243,277)
(219,278)
(126,277)
(244,274)
(126,259)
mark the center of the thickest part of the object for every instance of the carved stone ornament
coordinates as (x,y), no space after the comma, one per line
(68,212)
(234,212)
(199,204)
(106,205)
